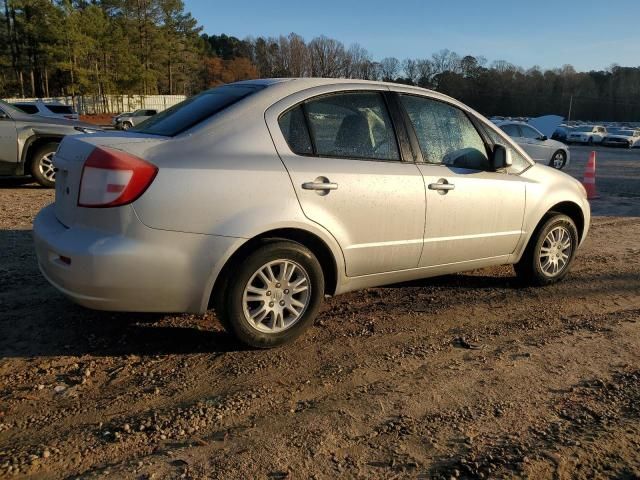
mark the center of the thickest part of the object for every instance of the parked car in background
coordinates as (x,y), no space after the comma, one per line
(560,134)
(28,142)
(52,110)
(537,145)
(587,134)
(294,189)
(622,137)
(126,121)
(116,119)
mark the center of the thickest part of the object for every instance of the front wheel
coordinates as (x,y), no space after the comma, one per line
(550,252)
(559,160)
(42,167)
(273,295)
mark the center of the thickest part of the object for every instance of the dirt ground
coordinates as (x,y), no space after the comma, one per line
(466,376)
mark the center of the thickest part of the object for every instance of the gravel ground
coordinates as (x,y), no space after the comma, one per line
(466,376)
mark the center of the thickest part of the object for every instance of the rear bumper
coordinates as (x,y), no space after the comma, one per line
(147,270)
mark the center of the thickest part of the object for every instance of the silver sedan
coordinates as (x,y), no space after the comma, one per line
(261,197)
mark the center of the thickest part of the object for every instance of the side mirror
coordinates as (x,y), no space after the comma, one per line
(543,138)
(3,115)
(501,157)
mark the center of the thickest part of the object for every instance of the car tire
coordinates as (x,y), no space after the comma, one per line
(558,160)
(555,231)
(259,306)
(126,125)
(590,141)
(41,165)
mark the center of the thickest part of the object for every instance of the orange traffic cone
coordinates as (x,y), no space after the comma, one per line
(589,181)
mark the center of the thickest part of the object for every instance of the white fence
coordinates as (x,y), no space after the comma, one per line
(85,104)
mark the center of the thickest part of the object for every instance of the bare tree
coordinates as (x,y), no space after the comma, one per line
(389,68)
(358,62)
(299,56)
(426,71)
(411,71)
(327,57)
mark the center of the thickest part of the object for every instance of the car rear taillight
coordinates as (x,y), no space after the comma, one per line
(111,178)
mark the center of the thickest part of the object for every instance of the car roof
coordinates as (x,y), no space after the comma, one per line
(299,84)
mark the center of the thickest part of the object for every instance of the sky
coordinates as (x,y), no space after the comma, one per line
(586,34)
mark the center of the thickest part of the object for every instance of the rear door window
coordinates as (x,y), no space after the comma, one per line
(352,125)
(294,129)
(194,110)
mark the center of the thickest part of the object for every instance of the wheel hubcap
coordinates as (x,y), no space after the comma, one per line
(558,160)
(276,296)
(555,251)
(46,167)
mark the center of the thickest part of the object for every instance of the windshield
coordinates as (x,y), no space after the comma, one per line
(194,110)
(584,129)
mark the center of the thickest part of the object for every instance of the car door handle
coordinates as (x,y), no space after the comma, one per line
(320,186)
(442,186)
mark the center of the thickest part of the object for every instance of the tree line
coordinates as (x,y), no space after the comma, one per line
(99,47)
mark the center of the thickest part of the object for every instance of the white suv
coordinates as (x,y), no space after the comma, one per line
(588,134)
(51,110)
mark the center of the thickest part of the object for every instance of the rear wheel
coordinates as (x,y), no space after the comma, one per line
(42,167)
(559,160)
(273,295)
(550,252)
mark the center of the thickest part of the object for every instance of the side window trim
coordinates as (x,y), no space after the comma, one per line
(307,126)
(399,125)
(414,144)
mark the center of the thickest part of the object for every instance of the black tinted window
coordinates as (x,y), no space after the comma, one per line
(445,134)
(194,110)
(30,109)
(63,109)
(294,129)
(352,125)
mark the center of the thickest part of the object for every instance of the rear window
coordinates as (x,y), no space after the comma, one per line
(30,109)
(194,110)
(63,109)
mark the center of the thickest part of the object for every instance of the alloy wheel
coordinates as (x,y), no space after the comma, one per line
(555,251)
(46,167)
(276,296)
